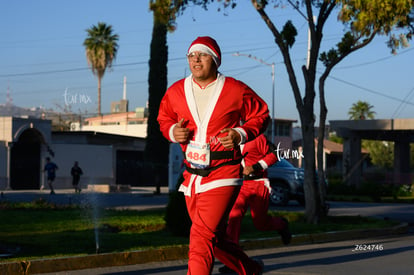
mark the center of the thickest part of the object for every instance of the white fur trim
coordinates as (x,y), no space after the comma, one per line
(242,133)
(200,188)
(171,133)
(204,49)
(263,164)
(201,133)
(267,184)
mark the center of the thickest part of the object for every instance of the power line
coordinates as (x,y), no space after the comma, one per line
(405,100)
(87,68)
(372,62)
(68,70)
(43,72)
(371,91)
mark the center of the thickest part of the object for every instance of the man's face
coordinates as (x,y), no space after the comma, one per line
(202,66)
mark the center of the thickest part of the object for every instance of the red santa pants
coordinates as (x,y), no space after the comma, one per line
(208,212)
(256,195)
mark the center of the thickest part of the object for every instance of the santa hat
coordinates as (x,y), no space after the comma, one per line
(208,45)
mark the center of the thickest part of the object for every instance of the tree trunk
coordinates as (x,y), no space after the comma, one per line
(320,153)
(310,186)
(157,147)
(305,108)
(99,95)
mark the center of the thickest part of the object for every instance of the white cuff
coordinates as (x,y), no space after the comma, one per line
(263,164)
(242,135)
(171,133)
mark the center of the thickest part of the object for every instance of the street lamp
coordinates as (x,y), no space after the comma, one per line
(273,86)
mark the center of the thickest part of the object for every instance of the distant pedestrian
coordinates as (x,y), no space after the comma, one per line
(50,168)
(76,172)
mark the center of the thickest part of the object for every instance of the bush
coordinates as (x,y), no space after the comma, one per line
(338,187)
(405,190)
(176,217)
(375,190)
(370,188)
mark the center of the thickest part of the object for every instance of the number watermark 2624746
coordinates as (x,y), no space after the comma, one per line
(368,247)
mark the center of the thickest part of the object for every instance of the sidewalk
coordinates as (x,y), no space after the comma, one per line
(143,198)
(137,198)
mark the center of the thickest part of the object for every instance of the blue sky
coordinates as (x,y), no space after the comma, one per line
(42,56)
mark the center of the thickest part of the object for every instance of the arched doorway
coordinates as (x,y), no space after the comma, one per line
(25,161)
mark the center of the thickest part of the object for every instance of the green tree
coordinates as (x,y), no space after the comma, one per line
(381,153)
(335,138)
(157,147)
(364,20)
(101,47)
(361,110)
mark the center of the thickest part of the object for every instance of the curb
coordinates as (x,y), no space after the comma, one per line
(179,252)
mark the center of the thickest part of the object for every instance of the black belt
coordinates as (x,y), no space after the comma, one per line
(251,177)
(207,171)
(221,155)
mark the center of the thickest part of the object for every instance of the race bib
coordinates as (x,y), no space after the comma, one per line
(198,154)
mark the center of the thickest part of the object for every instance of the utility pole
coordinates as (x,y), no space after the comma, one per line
(272,65)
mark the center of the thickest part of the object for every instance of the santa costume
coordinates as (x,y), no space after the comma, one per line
(212,178)
(255,191)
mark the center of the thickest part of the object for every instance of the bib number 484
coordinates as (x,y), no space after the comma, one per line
(194,156)
(198,154)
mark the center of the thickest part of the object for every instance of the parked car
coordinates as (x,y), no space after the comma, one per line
(286,182)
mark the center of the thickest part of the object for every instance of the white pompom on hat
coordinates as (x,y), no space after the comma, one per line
(208,45)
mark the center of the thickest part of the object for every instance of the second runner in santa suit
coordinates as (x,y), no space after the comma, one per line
(203,113)
(254,194)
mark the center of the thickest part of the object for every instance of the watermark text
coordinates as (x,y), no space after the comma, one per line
(76,98)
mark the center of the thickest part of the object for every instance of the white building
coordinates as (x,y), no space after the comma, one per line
(106,159)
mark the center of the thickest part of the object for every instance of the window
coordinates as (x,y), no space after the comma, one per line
(282,129)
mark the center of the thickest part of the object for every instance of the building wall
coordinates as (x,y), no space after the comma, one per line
(44,127)
(283,142)
(117,119)
(11,131)
(95,152)
(134,130)
(6,129)
(3,165)
(96,161)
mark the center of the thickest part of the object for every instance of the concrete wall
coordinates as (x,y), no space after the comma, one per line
(44,127)
(6,129)
(3,165)
(97,162)
(134,130)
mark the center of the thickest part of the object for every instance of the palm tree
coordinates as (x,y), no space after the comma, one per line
(157,147)
(361,111)
(101,48)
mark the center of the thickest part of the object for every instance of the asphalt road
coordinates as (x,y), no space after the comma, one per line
(377,256)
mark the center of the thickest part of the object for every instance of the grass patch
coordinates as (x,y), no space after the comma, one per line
(42,230)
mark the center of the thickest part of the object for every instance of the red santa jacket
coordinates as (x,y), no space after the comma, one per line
(232,102)
(259,152)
